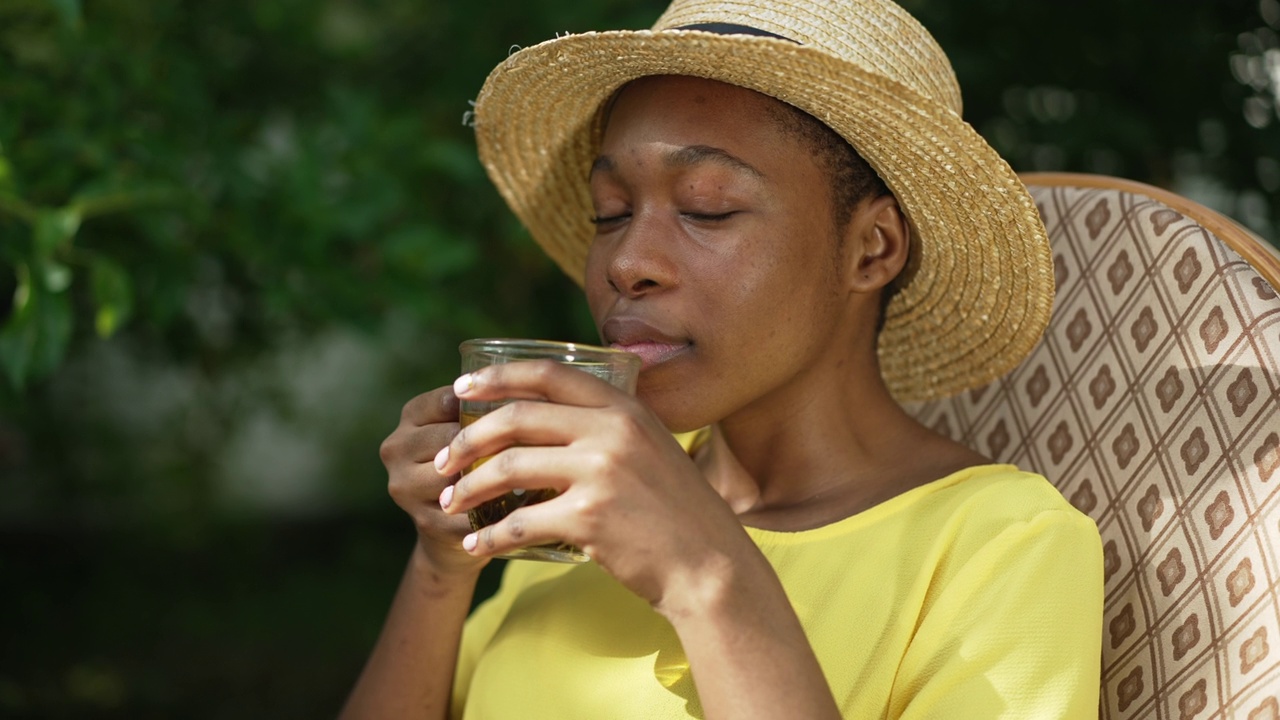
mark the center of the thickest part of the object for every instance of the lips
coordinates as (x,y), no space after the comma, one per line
(634,335)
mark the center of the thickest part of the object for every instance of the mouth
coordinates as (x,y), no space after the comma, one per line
(651,353)
(633,335)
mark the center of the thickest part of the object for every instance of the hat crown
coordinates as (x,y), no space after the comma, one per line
(877,35)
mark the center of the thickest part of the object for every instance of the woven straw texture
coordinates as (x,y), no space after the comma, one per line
(979,288)
(1154,405)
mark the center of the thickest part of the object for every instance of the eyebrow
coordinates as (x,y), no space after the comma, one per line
(697,154)
(688,157)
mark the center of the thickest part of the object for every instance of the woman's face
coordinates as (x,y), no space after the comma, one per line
(716,256)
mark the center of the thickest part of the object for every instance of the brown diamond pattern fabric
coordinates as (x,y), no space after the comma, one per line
(1153,404)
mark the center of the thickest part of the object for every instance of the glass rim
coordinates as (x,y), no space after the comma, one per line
(508,347)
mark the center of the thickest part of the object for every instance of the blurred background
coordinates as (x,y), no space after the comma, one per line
(236,237)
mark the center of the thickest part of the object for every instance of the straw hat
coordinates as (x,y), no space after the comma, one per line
(979,290)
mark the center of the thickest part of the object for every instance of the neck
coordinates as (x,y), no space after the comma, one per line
(832,430)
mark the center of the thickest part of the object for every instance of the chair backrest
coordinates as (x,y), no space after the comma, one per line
(1153,403)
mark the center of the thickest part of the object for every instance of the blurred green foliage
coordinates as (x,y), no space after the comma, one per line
(306,155)
(235,237)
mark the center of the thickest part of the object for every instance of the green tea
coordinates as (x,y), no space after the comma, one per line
(498,508)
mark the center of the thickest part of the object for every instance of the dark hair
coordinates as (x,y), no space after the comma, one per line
(851,179)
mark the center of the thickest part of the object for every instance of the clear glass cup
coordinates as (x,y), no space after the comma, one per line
(620,369)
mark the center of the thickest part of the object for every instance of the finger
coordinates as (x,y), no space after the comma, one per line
(417,485)
(523,469)
(537,380)
(412,443)
(457,526)
(437,406)
(539,524)
(517,423)
(422,444)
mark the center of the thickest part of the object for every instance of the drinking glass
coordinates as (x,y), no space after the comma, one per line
(619,369)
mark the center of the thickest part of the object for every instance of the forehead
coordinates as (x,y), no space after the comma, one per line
(682,88)
(692,110)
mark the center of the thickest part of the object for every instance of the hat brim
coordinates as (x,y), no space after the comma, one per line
(980,289)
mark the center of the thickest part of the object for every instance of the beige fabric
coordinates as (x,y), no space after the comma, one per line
(1154,405)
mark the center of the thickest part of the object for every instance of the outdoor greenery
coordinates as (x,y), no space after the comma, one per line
(235,237)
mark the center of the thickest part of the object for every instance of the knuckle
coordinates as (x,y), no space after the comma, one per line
(514,413)
(598,463)
(543,370)
(588,504)
(449,404)
(396,490)
(582,505)
(627,426)
(515,526)
(387,450)
(505,463)
(588,511)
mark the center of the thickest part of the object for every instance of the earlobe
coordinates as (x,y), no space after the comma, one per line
(881,243)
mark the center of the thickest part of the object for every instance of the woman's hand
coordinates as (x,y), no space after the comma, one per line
(427,423)
(410,672)
(628,494)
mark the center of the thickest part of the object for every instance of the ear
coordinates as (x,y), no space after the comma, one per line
(877,243)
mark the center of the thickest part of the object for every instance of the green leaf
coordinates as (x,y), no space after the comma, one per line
(22,293)
(428,251)
(112,198)
(54,229)
(33,341)
(17,340)
(6,172)
(15,206)
(18,334)
(55,276)
(54,321)
(70,12)
(453,159)
(112,296)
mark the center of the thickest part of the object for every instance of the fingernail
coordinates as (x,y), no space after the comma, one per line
(446,497)
(469,542)
(463,384)
(442,458)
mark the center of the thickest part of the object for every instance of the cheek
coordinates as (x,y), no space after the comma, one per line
(596,284)
(784,296)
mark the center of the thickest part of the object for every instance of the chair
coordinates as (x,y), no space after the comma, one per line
(1153,403)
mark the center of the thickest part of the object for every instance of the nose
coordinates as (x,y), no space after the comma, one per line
(638,259)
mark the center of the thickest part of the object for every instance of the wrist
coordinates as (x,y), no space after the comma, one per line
(445,570)
(747,650)
(720,587)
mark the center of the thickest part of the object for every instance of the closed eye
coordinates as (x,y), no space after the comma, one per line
(609,220)
(704,217)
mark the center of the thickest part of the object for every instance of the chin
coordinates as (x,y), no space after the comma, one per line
(675,412)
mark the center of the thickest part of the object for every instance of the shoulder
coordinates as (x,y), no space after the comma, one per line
(988,503)
(998,491)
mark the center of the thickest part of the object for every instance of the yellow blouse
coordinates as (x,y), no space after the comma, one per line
(978,595)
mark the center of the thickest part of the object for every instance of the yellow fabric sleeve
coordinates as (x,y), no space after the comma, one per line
(1015,633)
(485,620)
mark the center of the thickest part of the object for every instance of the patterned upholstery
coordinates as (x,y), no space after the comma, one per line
(1154,405)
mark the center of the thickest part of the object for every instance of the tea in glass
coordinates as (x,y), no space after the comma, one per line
(620,369)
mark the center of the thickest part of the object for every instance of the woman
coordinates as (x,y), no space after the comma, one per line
(809,551)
